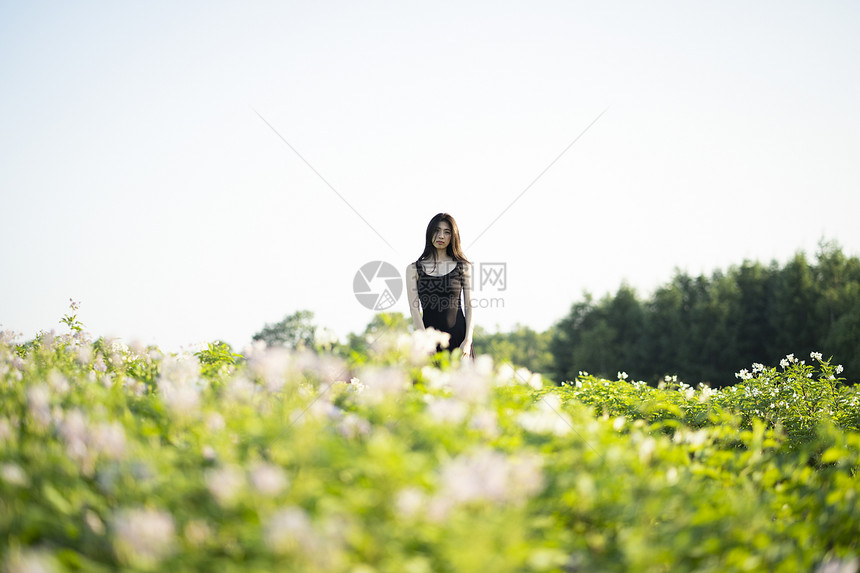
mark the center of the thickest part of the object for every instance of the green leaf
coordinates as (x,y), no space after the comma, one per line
(56,499)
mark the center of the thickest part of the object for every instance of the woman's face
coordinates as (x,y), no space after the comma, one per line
(442,235)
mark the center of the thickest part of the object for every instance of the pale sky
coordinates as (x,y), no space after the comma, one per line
(138,178)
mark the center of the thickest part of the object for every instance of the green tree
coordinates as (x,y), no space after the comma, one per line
(626,319)
(294,331)
(704,329)
(567,334)
(837,280)
(665,328)
(795,314)
(495,344)
(523,346)
(716,329)
(358,345)
(754,331)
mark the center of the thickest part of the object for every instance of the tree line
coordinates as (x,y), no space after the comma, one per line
(706,328)
(700,329)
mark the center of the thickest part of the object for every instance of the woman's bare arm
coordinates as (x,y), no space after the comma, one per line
(467,303)
(412,296)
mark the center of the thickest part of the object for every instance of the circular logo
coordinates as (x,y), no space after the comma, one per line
(377,285)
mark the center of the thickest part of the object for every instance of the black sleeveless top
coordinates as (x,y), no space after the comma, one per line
(440,301)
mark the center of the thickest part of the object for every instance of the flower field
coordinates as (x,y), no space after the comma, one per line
(131,459)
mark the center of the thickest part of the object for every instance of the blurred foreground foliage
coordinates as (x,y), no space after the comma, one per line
(130,459)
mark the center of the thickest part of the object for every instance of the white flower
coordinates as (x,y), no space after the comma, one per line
(436,379)
(409,501)
(239,389)
(548,418)
(275,365)
(356,385)
(118,346)
(646,449)
(320,408)
(99,364)
(58,383)
(181,370)
(328,368)
(485,421)
(706,393)
(672,476)
(181,399)
(225,484)
(73,430)
(622,375)
(30,561)
(447,410)
(382,383)
(325,336)
(469,385)
(815,355)
(424,342)
(290,530)
(486,475)
(94,522)
(215,422)
(535,381)
(12,474)
(48,338)
(484,364)
(268,479)
(39,403)
(108,439)
(208,453)
(84,354)
(179,383)
(839,566)
(143,537)
(473,477)
(695,438)
(353,425)
(839,369)
(136,387)
(505,375)
(524,376)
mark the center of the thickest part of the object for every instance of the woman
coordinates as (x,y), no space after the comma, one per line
(436,281)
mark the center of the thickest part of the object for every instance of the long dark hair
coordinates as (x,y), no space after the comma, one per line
(453,249)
